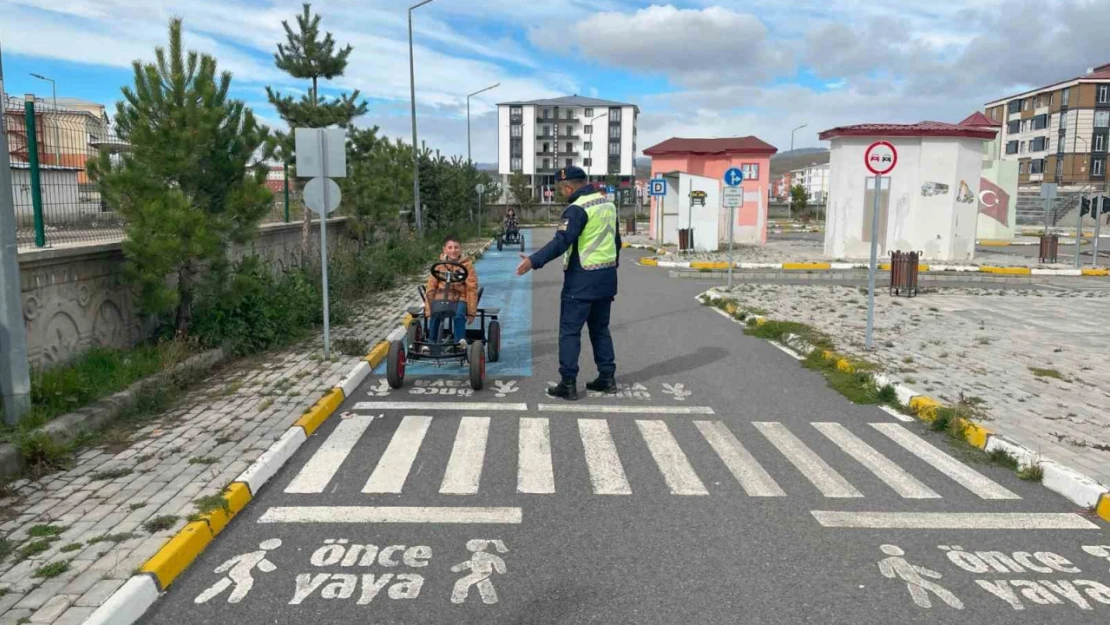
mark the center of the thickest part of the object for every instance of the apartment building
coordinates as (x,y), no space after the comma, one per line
(539,137)
(1057,133)
(814,178)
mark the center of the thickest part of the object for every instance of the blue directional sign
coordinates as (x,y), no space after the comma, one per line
(734,176)
(657,186)
(609,189)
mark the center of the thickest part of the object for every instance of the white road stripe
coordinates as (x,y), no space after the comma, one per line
(535,472)
(677,471)
(383,514)
(644,410)
(902,482)
(896,414)
(816,470)
(438,405)
(464,468)
(954,520)
(322,467)
(786,350)
(606,472)
(963,474)
(755,481)
(395,464)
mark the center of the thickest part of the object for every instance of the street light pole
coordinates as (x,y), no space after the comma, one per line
(415,145)
(468,161)
(789,209)
(57,133)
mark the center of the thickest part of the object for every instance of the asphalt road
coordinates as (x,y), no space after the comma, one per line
(725,484)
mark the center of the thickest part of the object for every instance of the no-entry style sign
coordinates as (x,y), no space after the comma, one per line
(880,158)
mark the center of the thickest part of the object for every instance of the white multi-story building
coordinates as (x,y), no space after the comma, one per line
(539,137)
(814,179)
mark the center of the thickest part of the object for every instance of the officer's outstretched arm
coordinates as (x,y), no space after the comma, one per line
(574,221)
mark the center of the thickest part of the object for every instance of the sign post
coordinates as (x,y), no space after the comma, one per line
(322,155)
(1048,192)
(733,198)
(479,189)
(880,158)
(1101,198)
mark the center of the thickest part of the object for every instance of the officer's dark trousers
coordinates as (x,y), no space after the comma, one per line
(595,315)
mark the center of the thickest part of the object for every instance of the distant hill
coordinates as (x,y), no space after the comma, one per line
(800,157)
(491,167)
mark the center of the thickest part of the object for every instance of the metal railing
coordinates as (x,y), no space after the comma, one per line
(49,149)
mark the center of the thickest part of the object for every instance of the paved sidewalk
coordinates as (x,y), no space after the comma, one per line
(78,535)
(1030,360)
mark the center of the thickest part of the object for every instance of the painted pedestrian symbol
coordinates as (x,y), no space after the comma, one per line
(381,390)
(897,567)
(238,571)
(503,389)
(1099,551)
(678,391)
(482,566)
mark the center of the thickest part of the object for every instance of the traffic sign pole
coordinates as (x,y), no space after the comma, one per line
(878,162)
(731,220)
(733,177)
(1078,232)
(1098,224)
(324,249)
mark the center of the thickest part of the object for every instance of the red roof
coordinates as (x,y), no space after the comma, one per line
(920,129)
(731,145)
(980,120)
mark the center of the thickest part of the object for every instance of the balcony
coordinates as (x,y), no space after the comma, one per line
(558,120)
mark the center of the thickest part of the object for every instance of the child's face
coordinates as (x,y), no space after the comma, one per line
(452,250)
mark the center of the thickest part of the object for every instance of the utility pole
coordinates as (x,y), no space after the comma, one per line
(15,373)
(417,211)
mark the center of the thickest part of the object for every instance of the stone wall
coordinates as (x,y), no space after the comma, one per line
(75,298)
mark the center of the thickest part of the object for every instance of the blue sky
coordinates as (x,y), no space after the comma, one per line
(695,67)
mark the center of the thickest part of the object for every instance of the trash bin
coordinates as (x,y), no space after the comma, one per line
(1050,245)
(630,225)
(686,239)
(903,273)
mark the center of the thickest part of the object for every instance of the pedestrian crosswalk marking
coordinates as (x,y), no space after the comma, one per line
(535,473)
(902,482)
(637,410)
(967,477)
(324,464)
(394,465)
(816,470)
(677,471)
(606,472)
(464,468)
(753,478)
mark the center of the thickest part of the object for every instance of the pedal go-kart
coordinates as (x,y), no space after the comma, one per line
(510,236)
(483,342)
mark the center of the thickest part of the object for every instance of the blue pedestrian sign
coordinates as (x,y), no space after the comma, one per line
(734,176)
(657,187)
(609,189)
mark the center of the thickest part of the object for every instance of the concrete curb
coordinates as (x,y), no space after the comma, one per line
(655,261)
(1073,485)
(65,428)
(143,589)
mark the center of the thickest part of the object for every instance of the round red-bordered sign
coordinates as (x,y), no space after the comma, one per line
(880,158)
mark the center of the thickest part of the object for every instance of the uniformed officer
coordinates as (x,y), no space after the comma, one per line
(589,241)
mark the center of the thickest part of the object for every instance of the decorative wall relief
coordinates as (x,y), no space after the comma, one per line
(930,189)
(965,196)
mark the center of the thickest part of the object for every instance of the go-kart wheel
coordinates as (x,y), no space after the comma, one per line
(521,245)
(476,355)
(493,341)
(499,244)
(395,365)
(414,334)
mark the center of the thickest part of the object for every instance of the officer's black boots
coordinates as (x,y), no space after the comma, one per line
(567,389)
(602,385)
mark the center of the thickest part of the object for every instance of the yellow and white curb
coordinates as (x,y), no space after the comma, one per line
(155,576)
(652,261)
(1071,484)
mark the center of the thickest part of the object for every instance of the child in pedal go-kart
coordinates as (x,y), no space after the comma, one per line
(463,293)
(511,223)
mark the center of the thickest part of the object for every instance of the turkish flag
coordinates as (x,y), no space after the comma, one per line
(994,202)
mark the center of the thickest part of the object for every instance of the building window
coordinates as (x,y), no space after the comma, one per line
(516,149)
(546,164)
(587,145)
(570,146)
(1021,148)
(614,164)
(1104,94)
(589,113)
(1063,121)
(1102,119)
(1037,145)
(516,131)
(1014,106)
(1098,167)
(588,129)
(751,171)
(1050,97)
(1064,97)
(1013,127)
(615,115)
(516,110)
(1012,147)
(1040,122)
(588,162)
(546,131)
(516,164)
(615,132)
(570,162)
(1100,143)
(614,149)
(1059,168)
(1036,166)
(547,113)
(1028,104)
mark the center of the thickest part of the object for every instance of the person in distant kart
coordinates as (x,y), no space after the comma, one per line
(511,223)
(463,293)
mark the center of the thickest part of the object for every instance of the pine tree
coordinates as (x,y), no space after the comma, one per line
(305,55)
(190,184)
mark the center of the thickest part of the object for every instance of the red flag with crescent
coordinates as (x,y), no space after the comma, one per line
(994,202)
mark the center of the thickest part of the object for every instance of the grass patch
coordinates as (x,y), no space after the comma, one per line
(6,548)
(112,538)
(34,548)
(45,531)
(778,330)
(111,474)
(159,524)
(1046,373)
(857,386)
(1031,472)
(1003,457)
(265,403)
(211,503)
(351,347)
(137,506)
(52,570)
(71,547)
(205,460)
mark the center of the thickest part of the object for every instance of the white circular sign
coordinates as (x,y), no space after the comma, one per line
(880,158)
(314,195)
(480,188)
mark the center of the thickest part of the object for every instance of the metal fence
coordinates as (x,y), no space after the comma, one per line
(49,148)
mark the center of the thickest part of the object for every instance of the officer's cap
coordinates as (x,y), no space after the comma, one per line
(570,173)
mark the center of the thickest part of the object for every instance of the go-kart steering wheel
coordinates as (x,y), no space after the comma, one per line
(458,273)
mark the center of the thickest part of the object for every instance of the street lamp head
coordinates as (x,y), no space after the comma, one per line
(41,77)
